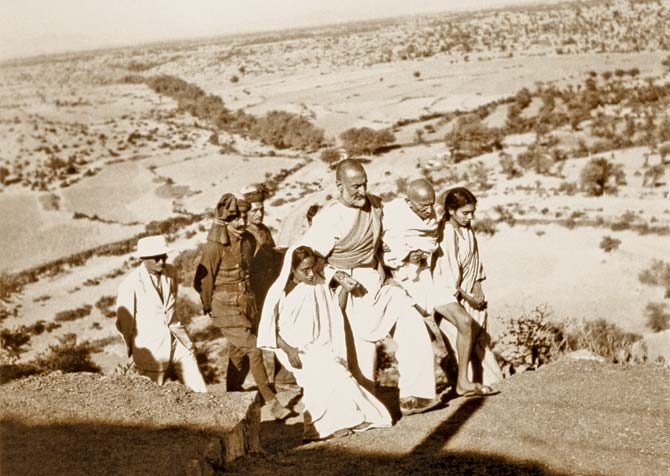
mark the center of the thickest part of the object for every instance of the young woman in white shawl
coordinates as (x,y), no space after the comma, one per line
(303,324)
(459,271)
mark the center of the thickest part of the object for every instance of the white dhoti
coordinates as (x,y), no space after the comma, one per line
(373,316)
(332,396)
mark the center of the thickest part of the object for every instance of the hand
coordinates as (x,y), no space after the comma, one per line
(348,283)
(477,291)
(415,257)
(385,248)
(477,303)
(294,357)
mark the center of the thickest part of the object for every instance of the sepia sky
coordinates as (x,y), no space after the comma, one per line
(31,27)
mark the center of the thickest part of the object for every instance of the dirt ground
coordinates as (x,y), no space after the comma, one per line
(91,424)
(567,418)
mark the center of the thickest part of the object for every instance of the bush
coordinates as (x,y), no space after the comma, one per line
(657,275)
(186,309)
(106,306)
(73,314)
(186,263)
(470,137)
(536,158)
(609,244)
(602,338)
(13,343)
(67,356)
(530,340)
(537,338)
(568,188)
(330,156)
(283,130)
(365,141)
(653,175)
(509,166)
(600,176)
(486,226)
(9,284)
(658,317)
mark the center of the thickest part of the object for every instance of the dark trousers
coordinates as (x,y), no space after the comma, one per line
(242,346)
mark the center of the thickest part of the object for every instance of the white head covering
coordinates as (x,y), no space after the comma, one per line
(267,328)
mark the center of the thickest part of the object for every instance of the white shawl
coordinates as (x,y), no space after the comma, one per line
(308,318)
(405,231)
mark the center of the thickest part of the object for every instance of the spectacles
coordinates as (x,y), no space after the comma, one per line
(156,258)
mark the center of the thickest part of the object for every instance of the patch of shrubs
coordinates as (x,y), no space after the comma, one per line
(657,275)
(67,356)
(600,176)
(609,244)
(73,314)
(279,129)
(330,156)
(658,316)
(365,141)
(186,309)
(537,338)
(106,306)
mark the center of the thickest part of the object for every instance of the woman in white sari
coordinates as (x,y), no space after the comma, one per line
(303,324)
(459,271)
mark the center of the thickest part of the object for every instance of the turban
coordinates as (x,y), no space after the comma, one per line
(254,193)
(227,208)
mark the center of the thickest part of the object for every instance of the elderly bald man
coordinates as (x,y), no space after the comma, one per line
(410,239)
(347,232)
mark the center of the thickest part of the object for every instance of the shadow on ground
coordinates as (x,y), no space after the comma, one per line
(96,449)
(286,455)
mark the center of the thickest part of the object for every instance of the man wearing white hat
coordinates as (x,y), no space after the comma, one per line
(145,305)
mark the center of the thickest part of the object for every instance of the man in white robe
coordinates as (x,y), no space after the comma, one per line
(347,233)
(410,240)
(155,338)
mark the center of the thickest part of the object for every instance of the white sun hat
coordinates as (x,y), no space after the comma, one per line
(152,246)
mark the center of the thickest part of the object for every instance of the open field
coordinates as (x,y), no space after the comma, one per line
(93,151)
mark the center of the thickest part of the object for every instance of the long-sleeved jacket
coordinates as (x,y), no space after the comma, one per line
(223,278)
(146,322)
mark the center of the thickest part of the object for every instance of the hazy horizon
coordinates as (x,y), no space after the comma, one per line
(32,27)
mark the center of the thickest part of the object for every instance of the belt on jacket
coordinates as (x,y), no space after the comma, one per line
(240,286)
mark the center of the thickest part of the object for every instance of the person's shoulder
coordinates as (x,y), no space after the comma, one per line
(248,237)
(331,209)
(375,201)
(395,205)
(131,279)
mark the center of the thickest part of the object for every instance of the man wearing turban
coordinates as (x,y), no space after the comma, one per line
(223,279)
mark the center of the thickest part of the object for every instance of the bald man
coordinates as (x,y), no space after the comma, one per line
(410,239)
(347,232)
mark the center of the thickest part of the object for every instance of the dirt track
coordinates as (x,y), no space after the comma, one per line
(568,418)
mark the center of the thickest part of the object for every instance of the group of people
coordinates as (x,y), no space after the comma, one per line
(363,271)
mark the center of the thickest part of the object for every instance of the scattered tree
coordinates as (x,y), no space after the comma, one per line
(365,141)
(601,176)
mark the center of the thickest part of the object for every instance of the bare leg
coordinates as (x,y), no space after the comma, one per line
(459,317)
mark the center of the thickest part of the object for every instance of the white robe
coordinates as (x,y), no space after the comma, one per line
(404,232)
(459,266)
(373,315)
(309,318)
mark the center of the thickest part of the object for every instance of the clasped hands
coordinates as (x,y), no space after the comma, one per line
(476,300)
(349,284)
